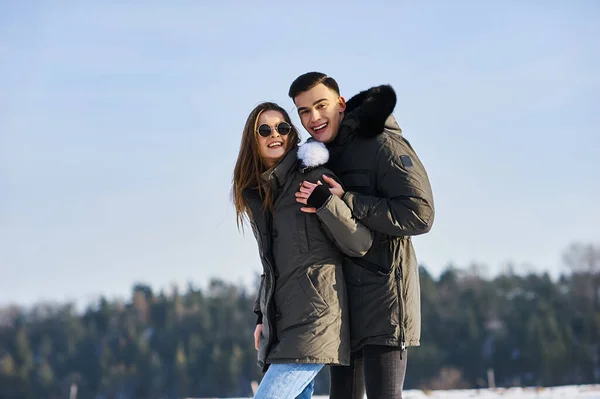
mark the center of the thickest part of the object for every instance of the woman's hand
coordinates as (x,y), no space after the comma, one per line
(257,332)
(306,189)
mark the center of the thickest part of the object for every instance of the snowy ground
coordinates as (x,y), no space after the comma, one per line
(565,392)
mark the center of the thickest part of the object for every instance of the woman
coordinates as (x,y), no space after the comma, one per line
(302,304)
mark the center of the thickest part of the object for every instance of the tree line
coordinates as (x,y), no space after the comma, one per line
(524,328)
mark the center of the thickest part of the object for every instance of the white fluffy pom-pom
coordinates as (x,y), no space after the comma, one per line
(313,153)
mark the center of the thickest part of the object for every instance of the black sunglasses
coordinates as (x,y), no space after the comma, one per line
(282,128)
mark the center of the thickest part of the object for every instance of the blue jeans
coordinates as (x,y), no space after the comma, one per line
(288,381)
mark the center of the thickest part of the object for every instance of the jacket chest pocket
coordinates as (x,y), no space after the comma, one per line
(302,232)
(310,235)
(359,181)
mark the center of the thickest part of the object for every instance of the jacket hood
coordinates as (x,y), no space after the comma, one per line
(370,110)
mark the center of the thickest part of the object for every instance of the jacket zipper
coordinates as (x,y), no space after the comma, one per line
(399,284)
(269,300)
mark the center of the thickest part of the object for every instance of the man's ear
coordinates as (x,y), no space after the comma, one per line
(342,103)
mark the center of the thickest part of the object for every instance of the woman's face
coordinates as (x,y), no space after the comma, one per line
(273,146)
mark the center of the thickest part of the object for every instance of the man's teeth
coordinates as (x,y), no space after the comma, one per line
(320,126)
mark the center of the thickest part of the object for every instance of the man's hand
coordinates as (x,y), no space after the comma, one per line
(257,333)
(335,187)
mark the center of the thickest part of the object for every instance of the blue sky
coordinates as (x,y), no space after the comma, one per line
(120,125)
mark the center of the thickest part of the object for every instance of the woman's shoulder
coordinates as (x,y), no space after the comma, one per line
(319,170)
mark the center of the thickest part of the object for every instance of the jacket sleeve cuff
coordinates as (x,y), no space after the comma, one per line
(318,197)
(259,319)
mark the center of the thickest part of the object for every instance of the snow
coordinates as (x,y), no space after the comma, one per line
(562,392)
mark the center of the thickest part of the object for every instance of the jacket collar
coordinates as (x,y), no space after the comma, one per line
(367,114)
(277,175)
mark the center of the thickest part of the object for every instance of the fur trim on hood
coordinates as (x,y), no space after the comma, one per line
(371,108)
(313,153)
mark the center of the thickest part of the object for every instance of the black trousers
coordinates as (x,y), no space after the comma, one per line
(378,369)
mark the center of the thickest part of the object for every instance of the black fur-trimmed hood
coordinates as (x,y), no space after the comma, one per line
(370,109)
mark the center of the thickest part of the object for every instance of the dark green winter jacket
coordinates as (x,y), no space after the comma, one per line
(388,191)
(302,297)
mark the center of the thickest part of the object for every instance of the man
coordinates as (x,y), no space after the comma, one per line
(388,190)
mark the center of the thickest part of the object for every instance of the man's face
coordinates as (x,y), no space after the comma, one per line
(321,111)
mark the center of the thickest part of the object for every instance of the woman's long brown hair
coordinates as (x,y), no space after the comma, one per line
(250,166)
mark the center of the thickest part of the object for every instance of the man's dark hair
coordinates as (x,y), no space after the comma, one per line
(309,80)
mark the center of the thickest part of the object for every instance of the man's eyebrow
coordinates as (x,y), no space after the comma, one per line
(315,103)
